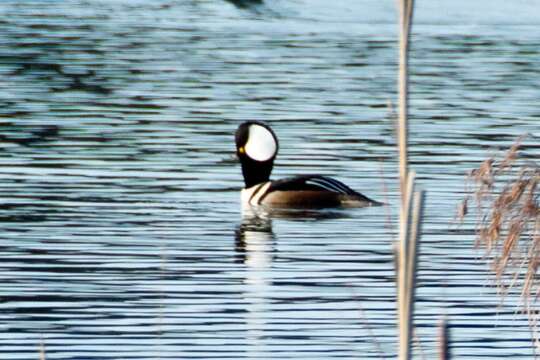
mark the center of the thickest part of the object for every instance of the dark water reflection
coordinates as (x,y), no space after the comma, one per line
(121,229)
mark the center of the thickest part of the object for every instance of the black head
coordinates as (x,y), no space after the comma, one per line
(256,147)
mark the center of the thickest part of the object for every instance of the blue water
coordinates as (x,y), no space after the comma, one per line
(122,235)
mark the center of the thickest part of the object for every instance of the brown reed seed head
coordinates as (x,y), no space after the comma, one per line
(484,174)
(531,208)
(462,209)
(508,219)
(511,155)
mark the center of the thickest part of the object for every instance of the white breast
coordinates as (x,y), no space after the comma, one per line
(253,195)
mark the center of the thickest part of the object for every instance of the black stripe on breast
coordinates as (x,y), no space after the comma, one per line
(256,191)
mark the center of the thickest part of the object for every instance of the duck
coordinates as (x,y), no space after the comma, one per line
(256,148)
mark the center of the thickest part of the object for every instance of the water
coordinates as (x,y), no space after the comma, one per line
(122,235)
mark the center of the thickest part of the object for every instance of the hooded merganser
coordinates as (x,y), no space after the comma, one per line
(257,147)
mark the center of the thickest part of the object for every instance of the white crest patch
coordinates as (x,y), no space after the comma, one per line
(261,145)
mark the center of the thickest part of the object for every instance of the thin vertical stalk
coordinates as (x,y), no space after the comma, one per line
(408,252)
(444,340)
(404,233)
(412,252)
(42,350)
(413,240)
(405,17)
(404,299)
(409,229)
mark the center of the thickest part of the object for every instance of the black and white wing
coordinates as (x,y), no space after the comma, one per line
(315,183)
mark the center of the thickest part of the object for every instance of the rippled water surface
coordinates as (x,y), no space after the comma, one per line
(121,232)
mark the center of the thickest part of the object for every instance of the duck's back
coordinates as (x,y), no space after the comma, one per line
(305,191)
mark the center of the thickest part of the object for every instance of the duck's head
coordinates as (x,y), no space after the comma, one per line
(256,147)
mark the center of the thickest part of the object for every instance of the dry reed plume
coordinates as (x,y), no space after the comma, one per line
(505,193)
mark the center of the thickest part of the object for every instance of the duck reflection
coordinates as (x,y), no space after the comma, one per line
(255,246)
(255,239)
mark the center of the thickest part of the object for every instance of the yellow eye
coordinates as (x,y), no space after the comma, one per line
(241,150)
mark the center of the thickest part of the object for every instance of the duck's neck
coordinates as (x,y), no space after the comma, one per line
(256,172)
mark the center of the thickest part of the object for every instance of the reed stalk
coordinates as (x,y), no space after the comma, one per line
(444,337)
(405,22)
(404,305)
(42,350)
(411,202)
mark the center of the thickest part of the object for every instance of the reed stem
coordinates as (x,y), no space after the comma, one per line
(444,336)
(405,17)
(409,225)
(42,350)
(404,299)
